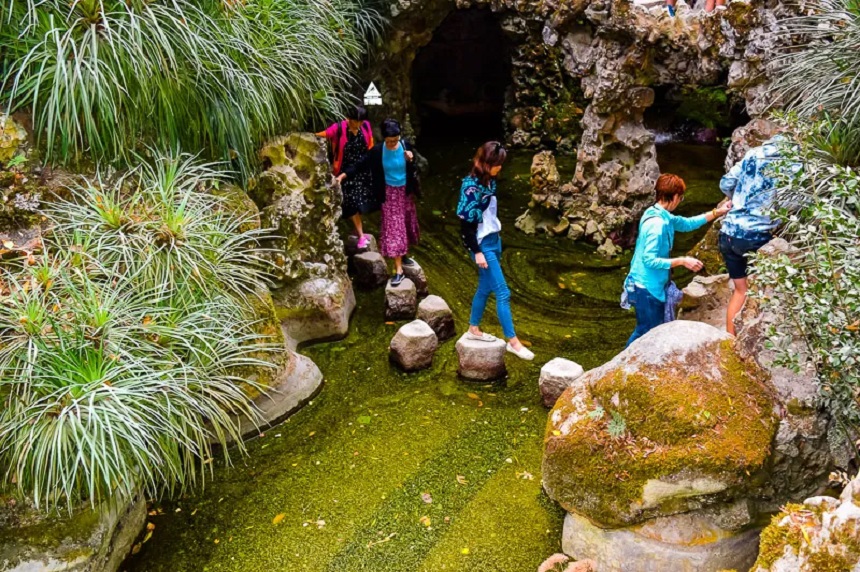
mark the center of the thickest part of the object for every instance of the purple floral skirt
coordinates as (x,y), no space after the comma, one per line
(399,228)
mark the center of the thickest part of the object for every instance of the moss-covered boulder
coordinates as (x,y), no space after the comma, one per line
(820,535)
(90,540)
(300,205)
(674,423)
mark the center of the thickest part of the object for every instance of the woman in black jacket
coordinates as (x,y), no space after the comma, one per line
(395,184)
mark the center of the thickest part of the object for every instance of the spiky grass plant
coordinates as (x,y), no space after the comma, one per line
(102,76)
(819,72)
(120,344)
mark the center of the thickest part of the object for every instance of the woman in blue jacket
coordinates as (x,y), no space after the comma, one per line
(649,270)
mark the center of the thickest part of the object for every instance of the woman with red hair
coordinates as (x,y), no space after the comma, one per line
(646,283)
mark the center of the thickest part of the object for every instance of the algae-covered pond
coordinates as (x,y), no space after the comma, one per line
(390,472)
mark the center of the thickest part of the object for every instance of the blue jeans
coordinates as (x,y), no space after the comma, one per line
(492,281)
(650,312)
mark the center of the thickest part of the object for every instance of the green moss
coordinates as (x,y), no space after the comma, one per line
(774,538)
(717,430)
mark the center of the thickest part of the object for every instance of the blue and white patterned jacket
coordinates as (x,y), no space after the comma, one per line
(750,186)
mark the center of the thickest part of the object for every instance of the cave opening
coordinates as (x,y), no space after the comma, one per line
(460,79)
(702,114)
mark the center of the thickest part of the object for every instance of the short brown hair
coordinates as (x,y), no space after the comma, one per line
(669,186)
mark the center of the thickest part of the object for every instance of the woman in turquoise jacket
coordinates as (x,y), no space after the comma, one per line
(649,270)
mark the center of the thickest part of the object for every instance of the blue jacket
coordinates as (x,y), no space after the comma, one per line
(750,185)
(650,266)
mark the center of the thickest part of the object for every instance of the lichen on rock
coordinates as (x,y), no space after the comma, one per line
(709,443)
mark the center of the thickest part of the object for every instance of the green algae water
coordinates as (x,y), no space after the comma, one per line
(389,472)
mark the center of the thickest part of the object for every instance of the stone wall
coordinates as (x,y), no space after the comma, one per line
(583,73)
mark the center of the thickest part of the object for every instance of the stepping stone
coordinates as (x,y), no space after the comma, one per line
(370,270)
(401,301)
(481,361)
(556,376)
(435,311)
(413,346)
(416,274)
(351,245)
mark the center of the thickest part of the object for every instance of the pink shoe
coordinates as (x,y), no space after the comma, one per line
(363,241)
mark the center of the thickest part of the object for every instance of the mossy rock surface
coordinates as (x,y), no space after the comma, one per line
(675,422)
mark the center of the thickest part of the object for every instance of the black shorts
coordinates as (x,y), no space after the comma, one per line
(735,251)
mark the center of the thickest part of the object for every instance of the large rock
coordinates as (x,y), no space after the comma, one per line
(300,202)
(88,541)
(555,376)
(481,361)
(316,309)
(820,535)
(704,541)
(708,251)
(673,423)
(706,299)
(435,311)
(370,270)
(413,346)
(401,301)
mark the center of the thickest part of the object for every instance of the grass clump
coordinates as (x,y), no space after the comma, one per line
(103,76)
(122,340)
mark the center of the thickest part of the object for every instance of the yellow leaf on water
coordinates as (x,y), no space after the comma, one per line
(278,518)
(562,285)
(462,480)
(150,526)
(312,433)
(464,551)
(472,395)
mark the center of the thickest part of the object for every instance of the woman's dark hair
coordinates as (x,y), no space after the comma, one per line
(390,128)
(490,154)
(357,113)
(669,186)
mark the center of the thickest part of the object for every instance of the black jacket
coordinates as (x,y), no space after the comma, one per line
(373,162)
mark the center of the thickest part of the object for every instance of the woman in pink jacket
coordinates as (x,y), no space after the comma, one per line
(350,141)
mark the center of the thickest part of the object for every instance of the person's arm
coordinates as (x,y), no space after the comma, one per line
(652,233)
(730,179)
(359,167)
(469,234)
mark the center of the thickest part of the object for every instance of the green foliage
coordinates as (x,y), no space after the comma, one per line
(707,106)
(822,73)
(103,76)
(121,342)
(617,425)
(817,288)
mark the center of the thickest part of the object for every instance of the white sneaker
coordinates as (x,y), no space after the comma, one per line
(484,337)
(522,353)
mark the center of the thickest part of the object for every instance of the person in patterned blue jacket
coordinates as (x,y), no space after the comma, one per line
(747,226)
(477,210)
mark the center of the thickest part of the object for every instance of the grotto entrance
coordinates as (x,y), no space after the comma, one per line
(460,78)
(704,114)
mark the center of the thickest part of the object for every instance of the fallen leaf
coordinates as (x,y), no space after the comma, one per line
(462,480)
(217,541)
(526,343)
(464,551)
(147,537)
(562,286)
(320,523)
(364,419)
(556,432)
(150,526)
(425,520)
(472,395)
(312,433)
(8,244)
(278,518)
(525,475)
(389,323)
(426,498)
(136,548)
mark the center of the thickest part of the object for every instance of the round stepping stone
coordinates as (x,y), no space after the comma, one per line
(351,245)
(435,311)
(413,346)
(370,270)
(415,273)
(481,361)
(401,301)
(556,376)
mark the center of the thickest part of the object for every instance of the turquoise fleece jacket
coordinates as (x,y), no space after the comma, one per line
(650,266)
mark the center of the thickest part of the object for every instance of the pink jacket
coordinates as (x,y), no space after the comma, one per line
(336,135)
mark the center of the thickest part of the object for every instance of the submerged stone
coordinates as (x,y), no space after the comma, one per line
(435,311)
(401,301)
(481,361)
(413,346)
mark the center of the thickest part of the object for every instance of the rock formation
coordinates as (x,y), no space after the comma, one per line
(299,200)
(413,346)
(583,74)
(479,360)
